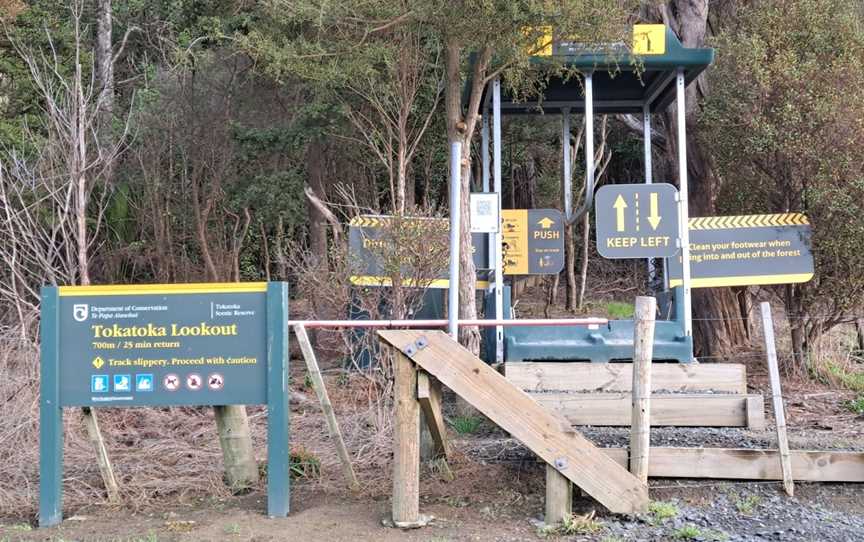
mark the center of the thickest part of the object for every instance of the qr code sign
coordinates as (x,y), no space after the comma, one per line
(484,208)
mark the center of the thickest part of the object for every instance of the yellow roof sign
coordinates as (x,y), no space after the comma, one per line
(649,39)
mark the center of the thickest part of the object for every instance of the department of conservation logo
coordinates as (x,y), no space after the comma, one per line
(80,312)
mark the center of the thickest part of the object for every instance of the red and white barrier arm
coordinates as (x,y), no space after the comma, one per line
(387,324)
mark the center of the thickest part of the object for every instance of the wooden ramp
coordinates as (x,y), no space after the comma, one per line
(516,412)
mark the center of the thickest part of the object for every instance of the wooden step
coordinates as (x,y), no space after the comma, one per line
(684,410)
(517,413)
(618,377)
(748,464)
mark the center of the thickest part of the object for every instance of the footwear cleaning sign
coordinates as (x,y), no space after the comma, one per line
(168,345)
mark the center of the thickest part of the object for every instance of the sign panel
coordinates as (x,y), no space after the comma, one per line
(484,212)
(637,220)
(533,241)
(161,345)
(179,346)
(649,39)
(747,250)
(367,231)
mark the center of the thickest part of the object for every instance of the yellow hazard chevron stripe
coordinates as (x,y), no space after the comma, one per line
(367,221)
(373,280)
(747,221)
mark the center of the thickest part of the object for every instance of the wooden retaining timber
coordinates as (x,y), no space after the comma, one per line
(748,464)
(514,411)
(683,410)
(599,393)
(618,377)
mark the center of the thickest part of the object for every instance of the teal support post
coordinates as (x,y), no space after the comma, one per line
(50,414)
(278,451)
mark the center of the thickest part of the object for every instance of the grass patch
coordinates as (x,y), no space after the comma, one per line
(747,505)
(844,376)
(466,425)
(232,529)
(692,532)
(304,464)
(856,406)
(573,525)
(661,511)
(687,532)
(619,310)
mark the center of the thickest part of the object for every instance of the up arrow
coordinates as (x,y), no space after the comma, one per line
(654,218)
(545,222)
(619,206)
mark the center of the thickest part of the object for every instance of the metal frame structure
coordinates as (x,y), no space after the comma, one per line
(644,84)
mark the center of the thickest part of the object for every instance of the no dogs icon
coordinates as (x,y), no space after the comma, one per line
(171,382)
(215,382)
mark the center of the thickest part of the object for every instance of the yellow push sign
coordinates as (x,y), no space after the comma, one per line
(533,241)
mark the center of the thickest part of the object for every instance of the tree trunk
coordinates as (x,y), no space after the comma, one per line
(717,327)
(583,271)
(104,66)
(316,173)
(570,267)
(461,129)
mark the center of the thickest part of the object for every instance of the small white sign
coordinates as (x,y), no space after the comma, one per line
(485,216)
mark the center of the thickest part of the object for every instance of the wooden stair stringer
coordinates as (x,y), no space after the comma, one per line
(517,413)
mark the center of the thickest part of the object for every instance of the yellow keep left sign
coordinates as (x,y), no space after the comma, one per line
(649,39)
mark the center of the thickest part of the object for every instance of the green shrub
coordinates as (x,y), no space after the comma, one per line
(466,425)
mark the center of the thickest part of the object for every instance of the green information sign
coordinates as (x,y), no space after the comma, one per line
(163,345)
(172,346)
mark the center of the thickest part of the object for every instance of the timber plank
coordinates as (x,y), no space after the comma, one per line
(747,464)
(517,413)
(683,410)
(618,377)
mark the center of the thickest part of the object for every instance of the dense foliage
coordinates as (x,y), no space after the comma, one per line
(785,121)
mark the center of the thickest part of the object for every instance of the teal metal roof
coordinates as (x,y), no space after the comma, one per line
(623,82)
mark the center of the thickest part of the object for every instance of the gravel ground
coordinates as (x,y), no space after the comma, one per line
(715,510)
(747,511)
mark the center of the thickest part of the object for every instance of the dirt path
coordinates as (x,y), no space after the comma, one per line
(492,502)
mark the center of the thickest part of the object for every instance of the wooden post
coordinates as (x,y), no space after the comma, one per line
(559,496)
(429,396)
(326,406)
(406,443)
(235,438)
(643,351)
(777,398)
(102,459)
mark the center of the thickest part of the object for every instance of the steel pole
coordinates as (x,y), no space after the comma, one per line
(683,228)
(455,212)
(499,261)
(567,172)
(589,139)
(649,178)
